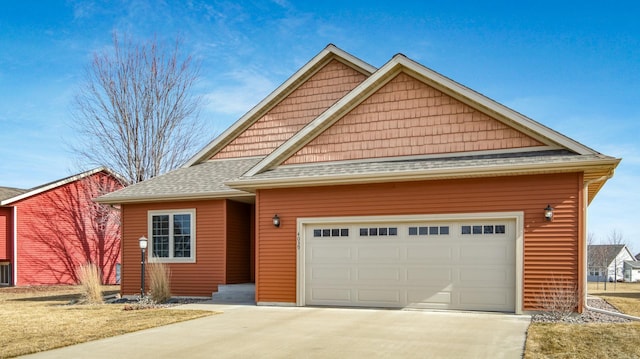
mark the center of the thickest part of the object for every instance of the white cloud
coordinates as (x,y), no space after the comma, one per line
(242,90)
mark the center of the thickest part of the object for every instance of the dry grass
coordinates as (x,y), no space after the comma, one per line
(598,340)
(90,285)
(583,341)
(624,296)
(40,318)
(160,286)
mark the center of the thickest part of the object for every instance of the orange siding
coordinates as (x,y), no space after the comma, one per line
(6,233)
(582,272)
(304,104)
(238,242)
(197,279)
(61,229)
(407,117)
(550,248)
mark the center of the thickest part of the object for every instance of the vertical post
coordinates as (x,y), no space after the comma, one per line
(142,276)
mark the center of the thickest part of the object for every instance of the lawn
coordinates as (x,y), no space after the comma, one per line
(41,318)
(597,340)
(624,296)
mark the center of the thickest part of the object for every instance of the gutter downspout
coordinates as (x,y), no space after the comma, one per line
(585,257)
(14,280)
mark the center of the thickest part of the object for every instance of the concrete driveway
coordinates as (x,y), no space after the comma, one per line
(244,331)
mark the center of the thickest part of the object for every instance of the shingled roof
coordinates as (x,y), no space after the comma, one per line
(8,192)
(603,254)
(435,167)
(203,180)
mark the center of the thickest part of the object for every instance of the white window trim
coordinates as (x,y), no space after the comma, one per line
(171,212)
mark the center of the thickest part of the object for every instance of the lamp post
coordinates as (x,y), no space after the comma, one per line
(143,246)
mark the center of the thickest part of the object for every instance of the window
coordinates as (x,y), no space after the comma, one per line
(483,229)
(332,232)
(5,273)
(172,236)
(429,231)
(379,231)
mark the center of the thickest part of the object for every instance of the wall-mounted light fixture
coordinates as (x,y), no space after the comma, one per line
(548,213)
(276,221)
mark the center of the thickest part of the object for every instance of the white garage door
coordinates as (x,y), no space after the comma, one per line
(466,265)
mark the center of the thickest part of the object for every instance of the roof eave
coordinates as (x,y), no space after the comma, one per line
(55,184)
(428,174)
(174,197)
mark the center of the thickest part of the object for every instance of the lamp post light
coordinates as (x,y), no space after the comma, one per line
(143,246)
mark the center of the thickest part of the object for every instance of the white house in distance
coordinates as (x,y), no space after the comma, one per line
(632,271)
(609,262)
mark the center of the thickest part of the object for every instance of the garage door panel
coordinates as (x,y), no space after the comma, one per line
(379,273)
(379,296)
(487,275)
(336,274)
(324,252)
(331,295)
(425,296)
(378,253)
(431,274)
(487,252)
(462,265)
(428,252)
(484,297)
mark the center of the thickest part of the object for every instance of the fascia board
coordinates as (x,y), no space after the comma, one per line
(55,184)
(466,95)
(174,197)
(309,69)
(429,174)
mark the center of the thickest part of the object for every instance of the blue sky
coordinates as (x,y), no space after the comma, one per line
(573,66)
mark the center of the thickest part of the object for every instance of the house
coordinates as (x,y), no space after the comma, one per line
(48,231)
(351,185)
(631,271)
(606,262)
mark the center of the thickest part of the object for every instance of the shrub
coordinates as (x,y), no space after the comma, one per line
(89,280)
(159,286)
(560,298)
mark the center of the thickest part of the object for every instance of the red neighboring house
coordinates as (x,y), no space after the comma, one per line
(48,231)
(351,185)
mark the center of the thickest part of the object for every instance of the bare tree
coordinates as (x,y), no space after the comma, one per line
(616,237)
(591,239)
(136,111)
(598,256)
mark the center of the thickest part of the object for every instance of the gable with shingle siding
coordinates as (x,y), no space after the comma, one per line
(407,117)
(304,104)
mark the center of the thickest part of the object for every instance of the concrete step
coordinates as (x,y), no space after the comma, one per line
(235,293)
